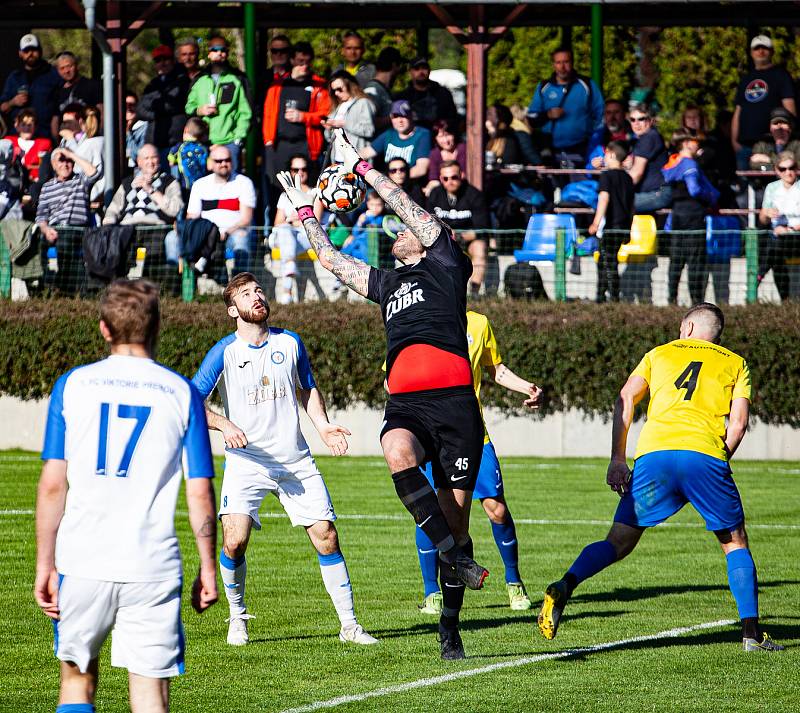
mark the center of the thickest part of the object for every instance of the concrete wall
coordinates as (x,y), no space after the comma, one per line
(567,434)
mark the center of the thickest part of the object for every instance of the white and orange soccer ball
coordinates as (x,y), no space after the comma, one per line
(340,190)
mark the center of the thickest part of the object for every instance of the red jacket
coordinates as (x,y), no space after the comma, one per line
(319,107)
(33,159)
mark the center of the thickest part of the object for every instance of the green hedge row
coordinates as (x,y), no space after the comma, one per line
(580,353)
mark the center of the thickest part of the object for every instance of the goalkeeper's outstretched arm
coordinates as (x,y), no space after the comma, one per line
(424,225)
(352,272)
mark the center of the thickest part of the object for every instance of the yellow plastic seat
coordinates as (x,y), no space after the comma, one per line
(305,255)
(643,242)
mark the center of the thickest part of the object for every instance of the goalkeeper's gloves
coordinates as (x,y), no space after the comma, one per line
(300,200)
(348,154)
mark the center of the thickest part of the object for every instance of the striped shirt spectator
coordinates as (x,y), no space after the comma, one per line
(65,198)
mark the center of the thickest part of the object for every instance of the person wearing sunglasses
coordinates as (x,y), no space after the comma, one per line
(279,48)
(220,95)
(693,197)
(780,210)
(649,155)
(351,110)
(163,103)
(228,200)
(34,84)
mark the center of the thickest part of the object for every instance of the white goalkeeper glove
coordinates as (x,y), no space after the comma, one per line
(346,150)
(300,200)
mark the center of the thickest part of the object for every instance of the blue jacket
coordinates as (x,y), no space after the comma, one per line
(685,170)
(43,83)
(583,110)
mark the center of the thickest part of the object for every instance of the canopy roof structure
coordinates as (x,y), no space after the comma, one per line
(476,24)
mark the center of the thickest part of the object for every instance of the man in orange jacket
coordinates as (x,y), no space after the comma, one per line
(293,113)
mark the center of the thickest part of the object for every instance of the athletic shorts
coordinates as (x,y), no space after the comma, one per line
(448,425)
(299,487)
(664,481)
(143,618)
(490,479)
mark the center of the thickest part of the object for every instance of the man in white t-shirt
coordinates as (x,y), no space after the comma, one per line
(227,199)
(259,371)
(122,433)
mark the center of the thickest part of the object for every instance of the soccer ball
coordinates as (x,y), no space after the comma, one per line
(340,190)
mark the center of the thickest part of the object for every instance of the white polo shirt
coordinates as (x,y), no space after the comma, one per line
(221,202)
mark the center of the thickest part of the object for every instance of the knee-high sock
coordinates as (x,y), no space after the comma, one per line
(75,708)
(453,592)
(337,582)
(743,581)
(420,500)
(428,562)
(505,536)
(233,573)
(591,560)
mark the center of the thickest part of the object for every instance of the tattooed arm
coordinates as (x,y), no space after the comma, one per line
(424,225)
(352,272)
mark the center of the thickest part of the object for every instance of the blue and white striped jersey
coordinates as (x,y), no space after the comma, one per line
(124,425)
(257,386)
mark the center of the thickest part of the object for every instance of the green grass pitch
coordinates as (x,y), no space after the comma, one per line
(676,578)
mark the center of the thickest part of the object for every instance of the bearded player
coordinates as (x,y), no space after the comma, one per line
(432,413)
(259,372)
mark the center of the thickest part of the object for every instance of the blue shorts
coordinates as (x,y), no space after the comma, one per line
(490,479)
(664,481)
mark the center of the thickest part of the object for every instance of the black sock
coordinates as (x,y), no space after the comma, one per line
(420,500)
(453,591)
(750,628)
(572,582)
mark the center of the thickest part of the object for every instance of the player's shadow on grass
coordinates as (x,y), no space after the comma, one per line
(632,594)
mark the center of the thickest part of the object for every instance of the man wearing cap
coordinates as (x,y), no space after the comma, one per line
(34,85)
(388,65)
(353,55)
(429,100)
(764,88)
(404,140)
(162,103)
(781,128)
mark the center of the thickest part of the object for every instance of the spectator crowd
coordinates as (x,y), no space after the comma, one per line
(185,138)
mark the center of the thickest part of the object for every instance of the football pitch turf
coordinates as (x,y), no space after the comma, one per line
(656,632)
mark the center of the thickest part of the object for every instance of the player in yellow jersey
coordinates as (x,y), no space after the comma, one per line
(682,456)
(483,353)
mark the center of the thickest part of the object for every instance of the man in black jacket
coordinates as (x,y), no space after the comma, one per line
(429,100)
(463,208)
(163,103)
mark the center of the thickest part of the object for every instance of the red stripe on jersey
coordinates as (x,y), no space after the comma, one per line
(221,204)
(420,366)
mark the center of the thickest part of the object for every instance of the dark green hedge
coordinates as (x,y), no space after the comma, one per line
(580,353)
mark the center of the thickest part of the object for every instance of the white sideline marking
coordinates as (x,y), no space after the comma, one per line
(518,521)
(514,663)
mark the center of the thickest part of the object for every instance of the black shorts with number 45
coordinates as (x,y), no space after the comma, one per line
(448,424)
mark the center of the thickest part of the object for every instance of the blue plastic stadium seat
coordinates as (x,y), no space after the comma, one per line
(540,237)
(723,238)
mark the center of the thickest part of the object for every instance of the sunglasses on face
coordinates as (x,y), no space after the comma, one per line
(279,50)
(221,160)
(27,126)
(298,169)
(217,48)
(637,119)
(783,169)
(337,90)
(448,179)
(399,169)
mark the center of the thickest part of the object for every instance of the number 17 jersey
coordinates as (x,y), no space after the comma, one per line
(692,384)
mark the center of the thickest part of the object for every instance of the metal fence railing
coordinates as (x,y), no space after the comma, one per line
(730,265)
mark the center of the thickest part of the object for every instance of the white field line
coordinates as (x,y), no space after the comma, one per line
(518,521)
(513,663)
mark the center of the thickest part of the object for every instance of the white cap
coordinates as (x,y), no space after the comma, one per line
(761,41)
(29,40)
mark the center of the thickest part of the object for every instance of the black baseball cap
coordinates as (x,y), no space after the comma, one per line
(420,62)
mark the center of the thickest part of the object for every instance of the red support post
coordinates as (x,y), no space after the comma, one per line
(476,111)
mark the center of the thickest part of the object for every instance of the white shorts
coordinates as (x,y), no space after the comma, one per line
(301,491)
(144,619)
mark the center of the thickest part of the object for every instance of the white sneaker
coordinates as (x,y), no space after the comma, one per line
(237,629)
(356,635)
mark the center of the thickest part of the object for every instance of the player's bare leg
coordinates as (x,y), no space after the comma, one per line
(743,583)
(148,695)
(619,543)
(77,687)
(236,529)
(505,536)
(325,538)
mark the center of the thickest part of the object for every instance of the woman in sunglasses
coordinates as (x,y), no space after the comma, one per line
(781,210)
(351,110)
(649,156)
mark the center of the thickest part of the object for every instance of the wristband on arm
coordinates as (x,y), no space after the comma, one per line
(362,168)
(305,212)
